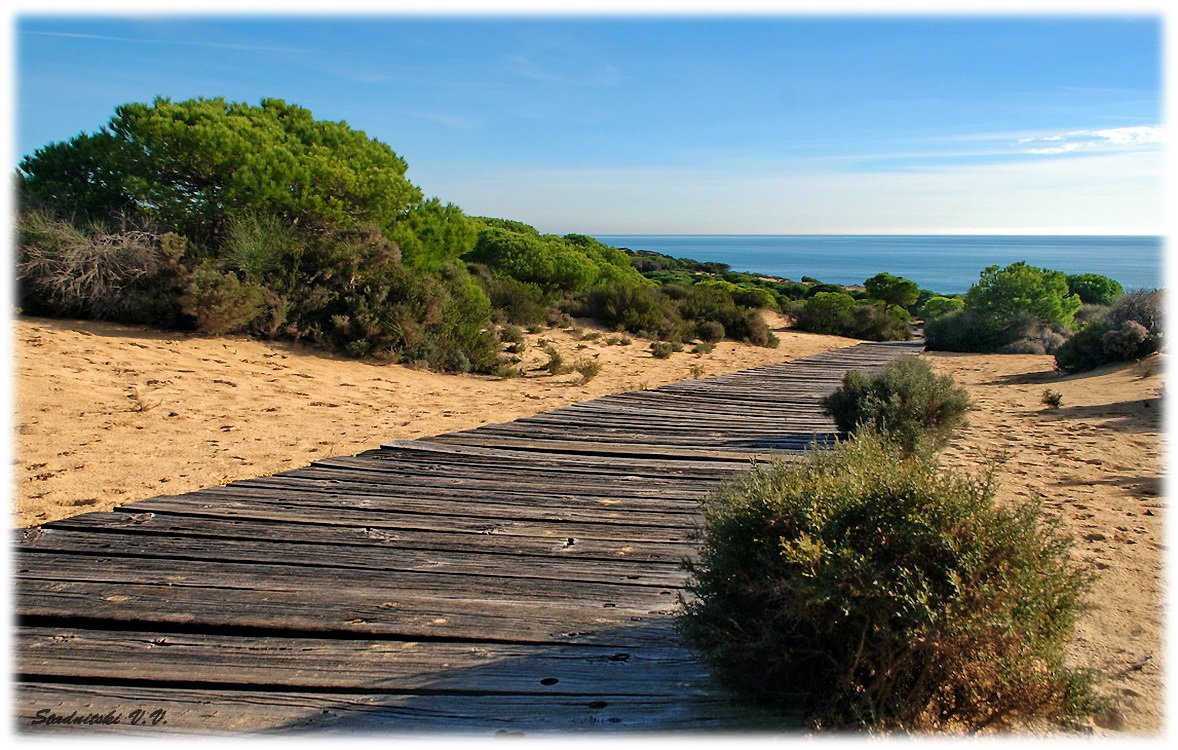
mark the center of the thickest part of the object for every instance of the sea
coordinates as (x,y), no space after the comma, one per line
(948,264)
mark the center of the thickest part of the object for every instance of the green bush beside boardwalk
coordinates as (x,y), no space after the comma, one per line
(907,402)
(881,592)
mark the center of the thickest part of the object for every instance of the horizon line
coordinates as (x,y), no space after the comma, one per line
(1158,235)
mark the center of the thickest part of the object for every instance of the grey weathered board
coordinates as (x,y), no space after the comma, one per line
(513,578)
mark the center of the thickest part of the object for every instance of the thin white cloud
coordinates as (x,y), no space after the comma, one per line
(1109,139)
(170,42)
(602,75)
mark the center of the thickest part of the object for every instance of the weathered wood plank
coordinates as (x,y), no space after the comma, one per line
(211,712)
(242,508)
(635,465)
(561,547)
(608,511)
(481,439)
(352,562)
(489,481)
(357,665)
(345,608)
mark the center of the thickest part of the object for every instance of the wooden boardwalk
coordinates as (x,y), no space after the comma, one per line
(519,577)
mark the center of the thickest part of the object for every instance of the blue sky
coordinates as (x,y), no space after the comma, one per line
(772,124)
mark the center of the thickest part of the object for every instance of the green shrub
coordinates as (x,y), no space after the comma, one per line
(826,289)
(510,334)
(939,307)
(1052,398)
(555,364)
(757,331)
(257,246)
(1004,296)
(961,332)
(588,369)
(1094,289)
(513,301)
(906,401)
(893,291)
(220,302)
(876,322)
(791,290)
(890,594)
(1084,350)
(827,312)
(1088,313)
(637,308)
(754,297)
(1129,330)
(710,330)
(661,349)
(703,347)
(840,314)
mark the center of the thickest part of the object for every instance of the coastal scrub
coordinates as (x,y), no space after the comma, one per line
(884,593)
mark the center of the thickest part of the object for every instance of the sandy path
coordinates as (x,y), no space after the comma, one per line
(108,414)
(1095,463)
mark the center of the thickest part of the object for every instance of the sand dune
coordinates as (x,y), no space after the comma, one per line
(1095,463)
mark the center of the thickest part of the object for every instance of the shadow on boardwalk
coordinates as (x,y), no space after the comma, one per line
(661,687)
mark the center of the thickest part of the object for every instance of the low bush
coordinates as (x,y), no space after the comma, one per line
(637,308)
(710,330)
(939,307)
(1131,329)
(510,334)
(1124,342)
(661,349)
(1085,349)
(875,322)
(1088,313)
(1094,289)
(906,402)
(512,300)
(220,302)
(827,312)
(962,332)
(555,364)
(1142,307)
(1034,339)
(131,276)
(840,314)
(587,368)
(889,595)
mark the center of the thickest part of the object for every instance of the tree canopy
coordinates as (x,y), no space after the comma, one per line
(571,264)
(1094,289)
(1003,296)
(189,166)
(893,291)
